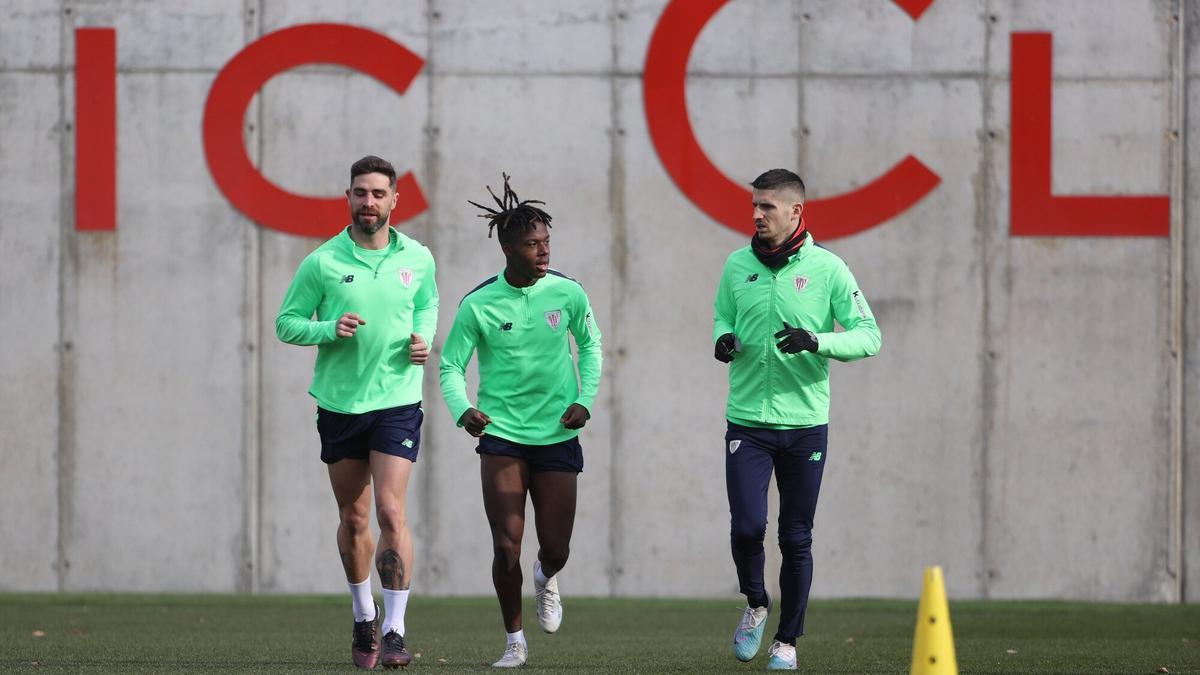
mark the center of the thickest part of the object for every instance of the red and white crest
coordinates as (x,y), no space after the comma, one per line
(553,318)
(801,282)
(406,276)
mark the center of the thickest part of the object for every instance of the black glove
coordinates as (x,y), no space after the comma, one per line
(726,345)
(795,340)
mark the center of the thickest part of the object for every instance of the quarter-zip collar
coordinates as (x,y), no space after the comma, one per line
(515,290)
(374,259)
(799,255)
(394,245)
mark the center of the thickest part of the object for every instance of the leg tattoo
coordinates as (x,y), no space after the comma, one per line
(391,570)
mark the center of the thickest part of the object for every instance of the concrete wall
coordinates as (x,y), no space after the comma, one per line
(1030,424)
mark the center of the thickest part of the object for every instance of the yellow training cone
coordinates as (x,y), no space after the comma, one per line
(933,645)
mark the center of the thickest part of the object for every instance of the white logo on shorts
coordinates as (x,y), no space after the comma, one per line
(733,446)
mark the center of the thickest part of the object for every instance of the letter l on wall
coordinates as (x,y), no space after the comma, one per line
(1033,210)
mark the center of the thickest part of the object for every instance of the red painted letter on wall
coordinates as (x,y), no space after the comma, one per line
(703,183)
(95,129)
(1034,211)
(235,86)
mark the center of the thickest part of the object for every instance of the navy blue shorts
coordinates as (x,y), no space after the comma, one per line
(392,431)
(563,456)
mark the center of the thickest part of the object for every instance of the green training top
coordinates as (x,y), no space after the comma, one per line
(393,290)
(527,378)
(771,389)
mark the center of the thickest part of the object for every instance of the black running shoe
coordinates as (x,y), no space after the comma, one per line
(364,648)
(395,652)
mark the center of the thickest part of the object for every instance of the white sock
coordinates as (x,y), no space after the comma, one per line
(537,573)
(394,604)
(514,638)
(361,600)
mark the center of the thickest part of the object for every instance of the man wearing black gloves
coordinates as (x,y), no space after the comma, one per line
(775,310)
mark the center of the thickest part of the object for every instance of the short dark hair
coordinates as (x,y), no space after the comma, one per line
(373,164)
(515,217)
(777,179)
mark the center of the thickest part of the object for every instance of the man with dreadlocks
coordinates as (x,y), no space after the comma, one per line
(775,309)
(531,404)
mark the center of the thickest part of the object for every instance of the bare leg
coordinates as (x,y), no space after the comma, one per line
(350,479)
(553,494)
(505,482)
(394,558)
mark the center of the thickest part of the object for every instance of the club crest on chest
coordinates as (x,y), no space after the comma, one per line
(801,283)
(406,276)
(553,318)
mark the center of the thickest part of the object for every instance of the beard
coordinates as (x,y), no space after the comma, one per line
(370,228)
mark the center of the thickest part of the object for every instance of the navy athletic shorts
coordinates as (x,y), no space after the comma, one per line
(563,456)
(392,431)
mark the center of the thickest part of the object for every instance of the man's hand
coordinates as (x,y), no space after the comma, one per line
(726,345)
(795,340)
(474,422)
(575,417)
(418,351)
(348,324)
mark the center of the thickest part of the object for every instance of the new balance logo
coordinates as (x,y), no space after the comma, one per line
(407,443)
(752,277)
(349,278)
(815,457)
(506,326)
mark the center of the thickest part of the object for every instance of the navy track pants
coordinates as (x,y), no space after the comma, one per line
(797,458)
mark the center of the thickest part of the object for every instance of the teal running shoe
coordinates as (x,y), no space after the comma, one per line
(748,636)
(783,657)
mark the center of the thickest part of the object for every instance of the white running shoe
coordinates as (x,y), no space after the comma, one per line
(514,656)
(783,657)
(549,604)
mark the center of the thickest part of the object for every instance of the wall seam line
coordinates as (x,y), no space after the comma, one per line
(66,240)
(985,226)
(616,290)
(1175,557)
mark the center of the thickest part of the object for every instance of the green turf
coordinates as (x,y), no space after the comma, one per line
(251,634)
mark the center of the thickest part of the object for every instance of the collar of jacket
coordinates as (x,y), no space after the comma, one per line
(394,244)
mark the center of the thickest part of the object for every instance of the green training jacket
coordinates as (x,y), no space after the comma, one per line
(393,290)
(527,378)
(771,389)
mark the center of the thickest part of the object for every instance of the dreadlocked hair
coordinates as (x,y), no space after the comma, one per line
(515,216)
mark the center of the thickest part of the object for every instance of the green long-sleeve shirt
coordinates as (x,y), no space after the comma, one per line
(771,389)
(527,378)
(393,290)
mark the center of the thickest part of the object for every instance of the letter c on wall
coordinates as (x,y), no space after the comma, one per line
(725,201)
(237,83)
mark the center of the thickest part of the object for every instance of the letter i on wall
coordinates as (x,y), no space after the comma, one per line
(96,129)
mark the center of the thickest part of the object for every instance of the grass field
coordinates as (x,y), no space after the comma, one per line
(253,634)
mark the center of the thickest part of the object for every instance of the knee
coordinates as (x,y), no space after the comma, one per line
(796,541)
(506,550)
(355,520)
(744,534)
(391,518)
